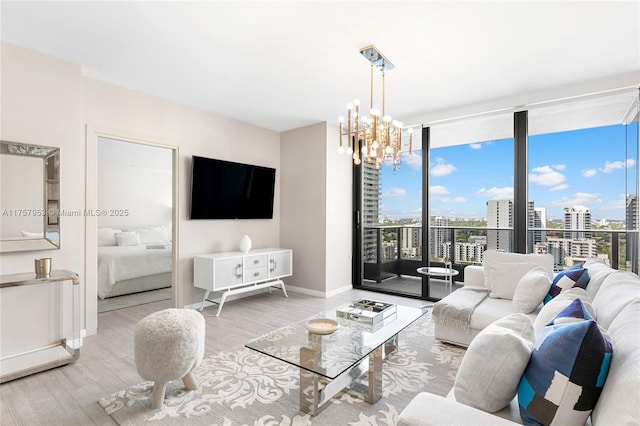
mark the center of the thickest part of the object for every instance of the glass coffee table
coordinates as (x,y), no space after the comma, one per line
(329,363)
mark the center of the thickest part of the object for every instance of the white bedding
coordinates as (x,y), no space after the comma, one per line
(118,263)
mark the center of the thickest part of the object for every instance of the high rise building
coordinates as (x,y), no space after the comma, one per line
(633,224)
(499,215)
(411,242)
(577,217)
(439,237)
(370,209)
(536,218)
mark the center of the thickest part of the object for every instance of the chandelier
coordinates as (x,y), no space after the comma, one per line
(379,136)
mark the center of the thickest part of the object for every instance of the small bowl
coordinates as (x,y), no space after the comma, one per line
(321,326)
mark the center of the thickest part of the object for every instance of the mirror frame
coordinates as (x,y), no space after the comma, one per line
(51,201)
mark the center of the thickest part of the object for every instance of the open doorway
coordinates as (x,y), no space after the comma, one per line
(134,220)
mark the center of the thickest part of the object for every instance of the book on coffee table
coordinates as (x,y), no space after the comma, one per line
(367,311)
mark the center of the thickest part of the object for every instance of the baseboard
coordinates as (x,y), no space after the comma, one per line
(316,293)
(302,290)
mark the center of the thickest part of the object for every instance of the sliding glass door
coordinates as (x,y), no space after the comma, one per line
(560,178)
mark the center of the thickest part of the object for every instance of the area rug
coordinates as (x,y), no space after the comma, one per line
(244,387)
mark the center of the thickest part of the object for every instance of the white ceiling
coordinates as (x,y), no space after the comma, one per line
(283,65)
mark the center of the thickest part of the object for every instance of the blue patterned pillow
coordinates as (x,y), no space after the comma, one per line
(576,276)
(567,370)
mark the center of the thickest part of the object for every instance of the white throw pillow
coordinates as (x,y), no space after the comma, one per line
(107,237)
(619,401)
(531,290)
(490,371)
(504,277)
(616,292)
(128,238)
(152,236)
(558,303)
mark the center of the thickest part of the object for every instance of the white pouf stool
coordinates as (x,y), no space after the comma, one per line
(169,345)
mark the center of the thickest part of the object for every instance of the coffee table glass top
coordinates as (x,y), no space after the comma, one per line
(332,354)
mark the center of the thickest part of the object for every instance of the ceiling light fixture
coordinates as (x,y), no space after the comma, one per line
(380,135)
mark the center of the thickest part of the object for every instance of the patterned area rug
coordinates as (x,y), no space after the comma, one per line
(248,388)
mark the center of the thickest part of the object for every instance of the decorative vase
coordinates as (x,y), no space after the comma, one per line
(245,244)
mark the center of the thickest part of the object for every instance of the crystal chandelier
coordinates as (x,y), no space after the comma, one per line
(380,135)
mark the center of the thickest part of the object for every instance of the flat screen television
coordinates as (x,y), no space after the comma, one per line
(227,190)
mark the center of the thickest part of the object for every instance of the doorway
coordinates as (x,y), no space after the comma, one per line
(131,223)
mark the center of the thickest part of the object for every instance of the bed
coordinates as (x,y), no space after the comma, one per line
(132,261)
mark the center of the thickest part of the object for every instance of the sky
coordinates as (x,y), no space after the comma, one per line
(587,167)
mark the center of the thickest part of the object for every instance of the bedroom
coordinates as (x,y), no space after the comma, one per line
(134,238)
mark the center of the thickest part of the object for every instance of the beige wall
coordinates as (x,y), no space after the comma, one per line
(41,103)
(46,101)
(316,209)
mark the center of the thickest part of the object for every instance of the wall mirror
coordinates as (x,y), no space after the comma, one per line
(29,197)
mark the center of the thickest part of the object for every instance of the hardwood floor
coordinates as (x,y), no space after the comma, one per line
(68,395)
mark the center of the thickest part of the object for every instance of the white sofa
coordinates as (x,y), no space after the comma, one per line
(491,308)
(613,298)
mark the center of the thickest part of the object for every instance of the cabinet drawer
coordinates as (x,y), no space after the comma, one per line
(256,261)
(227,272)
(255,274)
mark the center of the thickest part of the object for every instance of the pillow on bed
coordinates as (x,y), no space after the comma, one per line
(107,237)
(154,235)
(128,238)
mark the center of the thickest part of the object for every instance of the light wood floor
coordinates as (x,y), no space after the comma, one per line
(67,395)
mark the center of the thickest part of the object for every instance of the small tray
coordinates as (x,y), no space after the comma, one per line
(321,326)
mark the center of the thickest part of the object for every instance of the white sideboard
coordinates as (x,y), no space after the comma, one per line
(237,272)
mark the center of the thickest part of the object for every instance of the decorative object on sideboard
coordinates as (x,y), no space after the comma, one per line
(245,244)
(43,267)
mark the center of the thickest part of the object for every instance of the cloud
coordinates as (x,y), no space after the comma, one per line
(475,145)
(442,168)
(453,200)
(588,172)
(395,193)
(619,203)
(610,166)
(560,187)
(494,193)
(579,198)
(546,176)
(414,160)
(560,167)
(438,190)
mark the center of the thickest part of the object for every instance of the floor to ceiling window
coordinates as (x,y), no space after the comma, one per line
(560,178)
(583,180)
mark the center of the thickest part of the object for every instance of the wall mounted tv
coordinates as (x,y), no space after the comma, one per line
(226,190)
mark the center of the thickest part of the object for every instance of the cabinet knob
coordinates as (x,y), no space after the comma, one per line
(255,262)
(255,274)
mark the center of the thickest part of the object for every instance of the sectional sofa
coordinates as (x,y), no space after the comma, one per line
(500,355)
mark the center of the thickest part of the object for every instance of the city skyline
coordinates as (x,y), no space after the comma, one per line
(589,167)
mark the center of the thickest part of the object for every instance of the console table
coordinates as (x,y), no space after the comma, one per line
(65,351)
(237,272)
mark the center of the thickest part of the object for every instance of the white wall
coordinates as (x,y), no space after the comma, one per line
(41,104)
(134,184)
(138,116)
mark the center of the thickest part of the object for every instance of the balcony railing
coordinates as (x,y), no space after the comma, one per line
(398,250)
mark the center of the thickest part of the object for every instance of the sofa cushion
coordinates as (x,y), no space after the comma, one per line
(496,358)
(559,303)
(567,370)
(619,402)
(531,290)
(618,290)
(544,260)
(504,277)
(576,276)
(598,271)
(492,309)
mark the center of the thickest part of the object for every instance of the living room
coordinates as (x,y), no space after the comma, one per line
(50,99)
